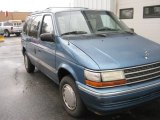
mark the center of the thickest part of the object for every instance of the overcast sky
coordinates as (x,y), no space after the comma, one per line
(32,5)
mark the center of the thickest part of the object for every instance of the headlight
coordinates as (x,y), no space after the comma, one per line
(93,76)
(112,75)
(104,79)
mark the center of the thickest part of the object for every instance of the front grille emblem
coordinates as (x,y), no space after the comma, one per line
(146,54)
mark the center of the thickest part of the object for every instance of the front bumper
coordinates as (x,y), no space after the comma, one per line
(108,100)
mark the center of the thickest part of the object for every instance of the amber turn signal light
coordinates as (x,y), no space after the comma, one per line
(105,84)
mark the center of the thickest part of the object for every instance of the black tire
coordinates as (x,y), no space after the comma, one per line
(28,65)
(18,34)
(6,33)
(79,109)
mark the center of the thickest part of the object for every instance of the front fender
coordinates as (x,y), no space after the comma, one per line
(75,70)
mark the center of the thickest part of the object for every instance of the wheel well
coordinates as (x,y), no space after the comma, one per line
(63,72)
(6,30)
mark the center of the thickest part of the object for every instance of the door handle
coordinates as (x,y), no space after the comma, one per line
(39,50)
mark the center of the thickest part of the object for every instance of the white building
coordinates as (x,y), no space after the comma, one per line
(97,4)
(142,15)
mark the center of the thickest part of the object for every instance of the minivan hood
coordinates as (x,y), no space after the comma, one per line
(119,51)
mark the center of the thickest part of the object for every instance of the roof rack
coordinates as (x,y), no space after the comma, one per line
(66,7)
(49,9)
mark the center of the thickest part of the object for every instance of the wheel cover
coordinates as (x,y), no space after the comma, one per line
(26,61)
(69,97)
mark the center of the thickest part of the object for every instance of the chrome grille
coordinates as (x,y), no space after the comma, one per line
(142,73)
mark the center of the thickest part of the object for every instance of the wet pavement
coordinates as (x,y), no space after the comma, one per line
(26,96)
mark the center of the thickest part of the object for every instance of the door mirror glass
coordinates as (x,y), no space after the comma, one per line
(47,37)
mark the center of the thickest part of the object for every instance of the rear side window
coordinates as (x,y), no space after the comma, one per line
(34,26)
(26,26)
(47,25)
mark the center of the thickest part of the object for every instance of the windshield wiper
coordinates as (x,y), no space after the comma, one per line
(101,34)
(129,32)
(106,29)
(74,32)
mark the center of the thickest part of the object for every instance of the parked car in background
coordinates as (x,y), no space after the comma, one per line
(7,28)
(16,23)
(98,62)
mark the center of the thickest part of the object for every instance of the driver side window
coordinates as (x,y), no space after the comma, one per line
(47,25)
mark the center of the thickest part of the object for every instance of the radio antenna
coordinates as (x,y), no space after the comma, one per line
(69,19)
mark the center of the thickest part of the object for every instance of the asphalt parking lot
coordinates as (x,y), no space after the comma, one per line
(26,96)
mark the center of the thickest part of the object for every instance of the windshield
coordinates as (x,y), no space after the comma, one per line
(87,22)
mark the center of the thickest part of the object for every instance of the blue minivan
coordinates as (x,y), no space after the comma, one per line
(97,61)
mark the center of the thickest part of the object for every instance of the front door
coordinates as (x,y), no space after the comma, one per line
(46,51)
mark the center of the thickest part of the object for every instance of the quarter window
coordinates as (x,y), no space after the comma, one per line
(47,25)
(126,13)
(151,11)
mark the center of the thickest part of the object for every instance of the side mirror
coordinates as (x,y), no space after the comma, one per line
(132,29)
(49,37)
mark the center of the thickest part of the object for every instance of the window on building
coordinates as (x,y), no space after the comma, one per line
(126,13)
(151,11)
